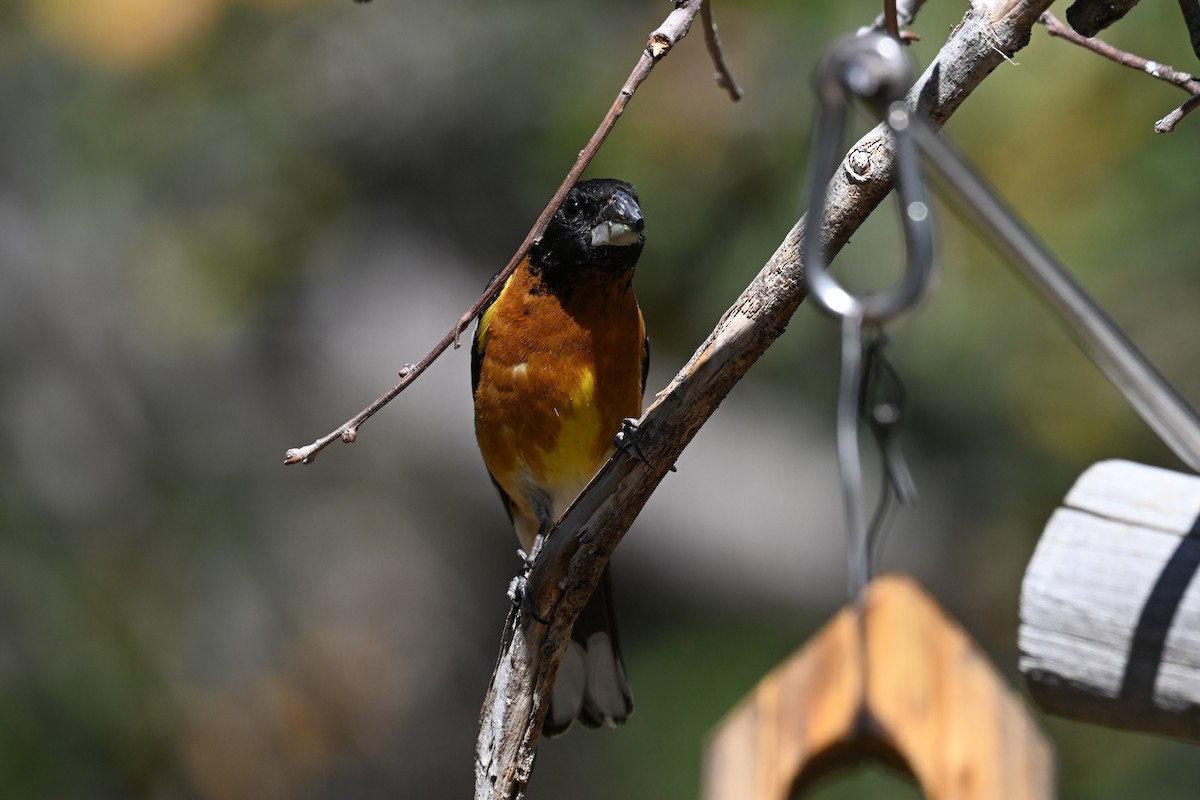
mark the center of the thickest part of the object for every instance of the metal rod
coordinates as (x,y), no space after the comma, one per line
(1152,397)
(858,551)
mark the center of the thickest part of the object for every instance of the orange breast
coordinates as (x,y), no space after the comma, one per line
(556,379)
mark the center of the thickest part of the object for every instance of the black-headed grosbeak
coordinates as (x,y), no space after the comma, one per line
(559,361)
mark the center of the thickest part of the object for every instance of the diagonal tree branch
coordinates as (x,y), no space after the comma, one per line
(569,565)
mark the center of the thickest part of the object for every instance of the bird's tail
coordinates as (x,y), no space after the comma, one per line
(591,685)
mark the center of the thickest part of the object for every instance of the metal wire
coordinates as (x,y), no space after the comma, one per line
(1144,388)
(858,539)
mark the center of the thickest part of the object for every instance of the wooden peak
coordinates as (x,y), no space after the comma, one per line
(920,697)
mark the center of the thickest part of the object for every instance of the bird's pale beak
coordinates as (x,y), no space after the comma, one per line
(621,224)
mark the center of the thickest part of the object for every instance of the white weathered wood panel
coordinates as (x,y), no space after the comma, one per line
(1110,604)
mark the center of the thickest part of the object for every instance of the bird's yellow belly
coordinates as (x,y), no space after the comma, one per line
(547,438)
(550,432)
(582,445)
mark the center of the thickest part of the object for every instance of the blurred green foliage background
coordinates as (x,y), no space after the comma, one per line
(225,224)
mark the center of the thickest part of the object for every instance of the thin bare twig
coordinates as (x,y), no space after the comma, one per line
(890,23)
(1189,83)
(722,76)
(905,13)
(1055,27)
(658,45)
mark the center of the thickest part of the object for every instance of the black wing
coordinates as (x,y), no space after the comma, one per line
(645,364)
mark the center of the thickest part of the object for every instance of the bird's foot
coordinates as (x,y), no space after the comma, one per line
(628,441)
(518,593)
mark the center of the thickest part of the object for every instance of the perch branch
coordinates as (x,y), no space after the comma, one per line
(1163,72)
(569,565)
(658,45)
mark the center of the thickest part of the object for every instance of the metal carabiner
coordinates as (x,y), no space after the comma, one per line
(872,67)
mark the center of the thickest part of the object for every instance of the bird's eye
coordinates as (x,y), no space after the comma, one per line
(570,206)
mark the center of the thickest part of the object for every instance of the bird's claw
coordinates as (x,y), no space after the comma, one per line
(627,441)
(519,596)
(516,589)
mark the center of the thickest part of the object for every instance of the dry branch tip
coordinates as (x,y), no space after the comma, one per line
(304,455)
(1168,123)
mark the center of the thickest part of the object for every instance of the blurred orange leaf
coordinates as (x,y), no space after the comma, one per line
(124,34)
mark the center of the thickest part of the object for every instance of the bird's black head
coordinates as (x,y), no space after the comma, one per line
(599,224)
